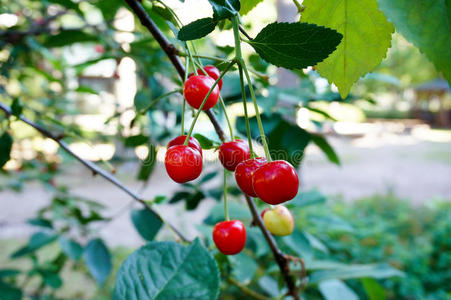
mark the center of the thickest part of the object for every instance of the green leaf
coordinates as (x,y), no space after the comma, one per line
(37,241)
(40,222)
(109,8)
(67,4)
(244,267)
(68,37)
(168,271)
(8,272)
(295,45)
(146,223)
(305,198)
(427,25)
(6,143)
(205,143)
(299,244)
(197,29)
(334,289)
(9,292)
(373,289)
(70,247)
(209,176)
(322,143)
(366,38)
(98,260)
(16,107)
(356,271)
(51,278)
(248,5)
(86,89)
(148,164)
(223,9)
(136,140)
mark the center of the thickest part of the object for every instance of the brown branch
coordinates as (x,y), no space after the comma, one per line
(168,48)
(91,166)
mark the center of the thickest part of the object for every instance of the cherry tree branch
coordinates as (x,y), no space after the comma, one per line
(171,51)
(96,170)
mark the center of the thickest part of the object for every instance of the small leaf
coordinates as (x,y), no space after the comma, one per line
(209,176)
(426,24)
(70,247)
(98,260)
(248,5)
(322,143)
(86,89)
(6,143)
(8,272)
(136,140)
(16,107)
(146,223)
(205,142)
(366,38)
(223,9)
(334,289)
(197,29)
(168,271)
(37,241)
(373,289)
(295,45)
(40,222)
(68,37)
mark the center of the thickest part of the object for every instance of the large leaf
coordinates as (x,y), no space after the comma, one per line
(327,149)
(248,5)
(426,24)
(197,29)
(167,271)
(68,37)
(366,38)
(334,289)
(223,9)
(6,143)
(146,223)
(98,260)
(295,45)
(356,271)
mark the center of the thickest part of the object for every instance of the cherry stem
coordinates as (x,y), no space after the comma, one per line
(184,100)
(242,64)
(226,209)
(229,124)
(156,100)
(205,100)
(246,116)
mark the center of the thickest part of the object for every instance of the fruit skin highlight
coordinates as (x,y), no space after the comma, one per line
(278,221)
(183,163)
(244,172)
(196,88)
(276,182)
(229,236)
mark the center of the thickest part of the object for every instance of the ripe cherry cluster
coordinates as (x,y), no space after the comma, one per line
(274,182)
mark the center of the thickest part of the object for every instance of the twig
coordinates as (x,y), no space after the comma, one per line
(244,32)
(90,165)
(171,52)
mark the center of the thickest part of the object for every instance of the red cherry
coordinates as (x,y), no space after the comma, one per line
(193,142)
(183,163)
(99,48)
(276,182)
(232,153)
(243,174)
(212,71)
(229,236)
(196,88)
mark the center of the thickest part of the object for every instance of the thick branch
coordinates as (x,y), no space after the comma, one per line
(93,167)
(168,48)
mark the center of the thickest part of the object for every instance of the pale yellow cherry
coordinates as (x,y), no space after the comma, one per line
(279,221)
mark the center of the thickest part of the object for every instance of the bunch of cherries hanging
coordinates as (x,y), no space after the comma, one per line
(274,182)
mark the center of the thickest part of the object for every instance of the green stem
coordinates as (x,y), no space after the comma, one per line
(239,57)
(155,101)
(205,100)
(226,209)
(205,56)
(184,100)
(246,115)
(229,124)
(191,59)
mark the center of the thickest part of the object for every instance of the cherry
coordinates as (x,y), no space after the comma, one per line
(196,88)
(276,182)
(278,220)
(193,142)
(232,153)
(99,48)
(212,71)
(183,163)
(229,236)
(243,174)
